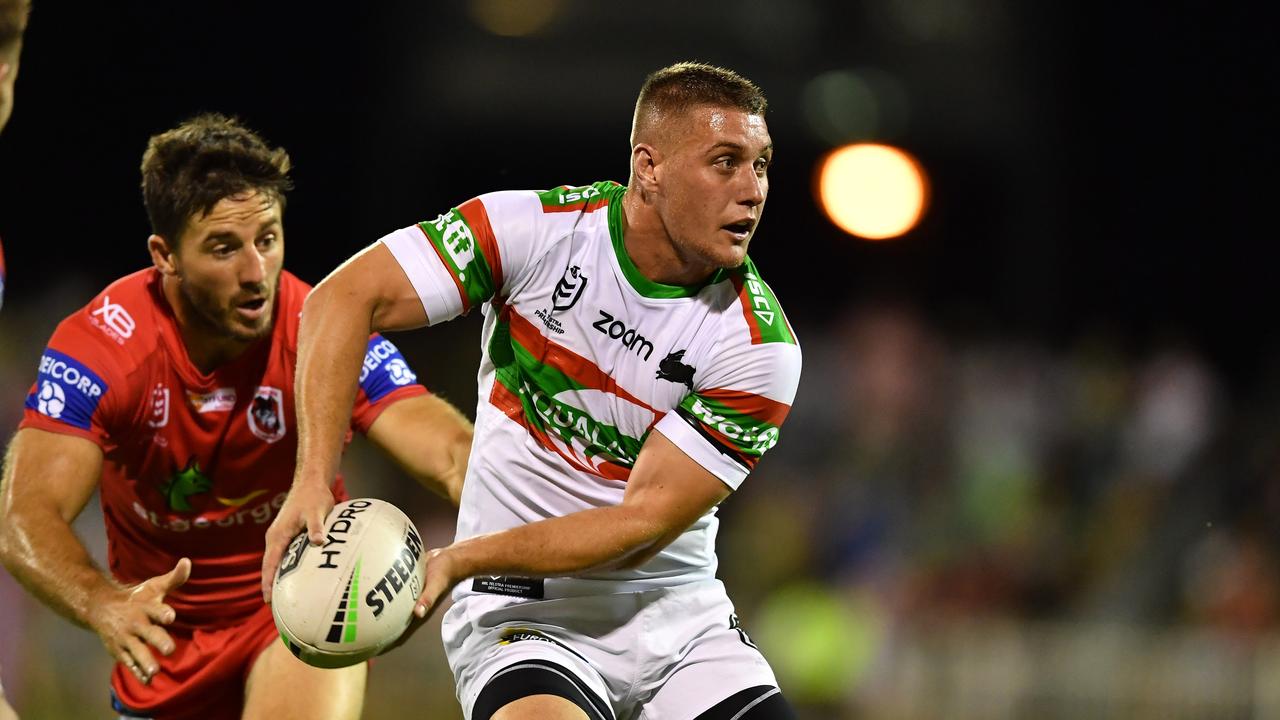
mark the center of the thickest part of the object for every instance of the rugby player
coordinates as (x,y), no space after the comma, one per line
(635,369)
(172,393)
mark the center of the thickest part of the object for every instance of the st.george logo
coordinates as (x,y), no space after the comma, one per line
(569,289)
(180,486)
(266,414)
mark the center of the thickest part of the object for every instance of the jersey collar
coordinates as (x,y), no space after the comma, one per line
(641,284)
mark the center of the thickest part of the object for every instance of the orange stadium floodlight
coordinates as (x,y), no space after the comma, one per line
(873,191)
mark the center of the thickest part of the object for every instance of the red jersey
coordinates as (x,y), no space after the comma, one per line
(195,465)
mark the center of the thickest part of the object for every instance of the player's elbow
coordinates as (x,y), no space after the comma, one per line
(341,292)
(649,534)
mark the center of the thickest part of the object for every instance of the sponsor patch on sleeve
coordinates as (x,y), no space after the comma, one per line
(384,369)
(66,390)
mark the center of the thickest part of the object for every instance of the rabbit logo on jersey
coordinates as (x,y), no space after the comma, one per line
(66,390)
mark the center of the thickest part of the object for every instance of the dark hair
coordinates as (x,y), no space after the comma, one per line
(677,88)
(187,170)
(13,20)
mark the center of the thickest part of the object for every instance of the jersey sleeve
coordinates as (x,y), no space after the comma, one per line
(735,412)
(385,378)
(471,254)
(81,386)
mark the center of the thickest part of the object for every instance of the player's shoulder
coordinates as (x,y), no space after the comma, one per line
(122,322)
(579,198)
(753,315)
(561,205)
(107,343)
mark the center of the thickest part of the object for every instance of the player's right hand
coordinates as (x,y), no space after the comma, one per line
(306,507)
(131,618)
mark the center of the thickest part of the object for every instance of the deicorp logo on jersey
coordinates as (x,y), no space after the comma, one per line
(384,369)
(66,390)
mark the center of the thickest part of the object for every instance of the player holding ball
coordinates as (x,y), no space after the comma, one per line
(172,392)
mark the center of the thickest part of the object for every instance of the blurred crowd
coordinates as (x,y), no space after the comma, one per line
(954,524)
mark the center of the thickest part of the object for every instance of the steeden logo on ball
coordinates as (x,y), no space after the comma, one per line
(342,602)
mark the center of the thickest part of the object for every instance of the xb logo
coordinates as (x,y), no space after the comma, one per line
(114,316)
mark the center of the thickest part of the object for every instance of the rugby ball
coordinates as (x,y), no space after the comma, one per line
(342,602)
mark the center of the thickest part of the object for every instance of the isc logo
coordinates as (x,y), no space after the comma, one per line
(572,197)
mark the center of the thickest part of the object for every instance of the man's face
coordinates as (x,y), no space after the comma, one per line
(713,180)
(228,265)
(8,75)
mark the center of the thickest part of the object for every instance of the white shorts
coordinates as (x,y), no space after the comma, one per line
(664,654)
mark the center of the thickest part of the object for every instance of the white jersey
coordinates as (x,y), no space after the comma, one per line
(584,357)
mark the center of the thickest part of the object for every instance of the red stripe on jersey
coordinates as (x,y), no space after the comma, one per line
(466,305)
(757,406)
(502,398)
(568,362)
(474,212)
(744,299)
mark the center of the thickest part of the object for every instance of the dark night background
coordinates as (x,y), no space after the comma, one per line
(1099,247)
(1092,168)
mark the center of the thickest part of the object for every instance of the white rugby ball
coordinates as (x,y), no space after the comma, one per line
(341,603)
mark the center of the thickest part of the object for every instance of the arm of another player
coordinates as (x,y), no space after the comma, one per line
(368,292)
(429,439)
(48,478)
(666,492)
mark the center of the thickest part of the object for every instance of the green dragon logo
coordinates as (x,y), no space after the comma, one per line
(188,481)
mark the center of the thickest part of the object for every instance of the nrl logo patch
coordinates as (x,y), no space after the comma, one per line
(569,289)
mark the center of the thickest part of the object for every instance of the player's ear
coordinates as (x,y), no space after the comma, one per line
(644,167)
(162,255)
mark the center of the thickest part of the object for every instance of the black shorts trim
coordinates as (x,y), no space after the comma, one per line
(537,677)
(762,702)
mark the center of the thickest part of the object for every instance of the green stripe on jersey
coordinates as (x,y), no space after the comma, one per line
(456,241)
(746,434)
(643,285)
(765,311)
(540,387)
(565,196)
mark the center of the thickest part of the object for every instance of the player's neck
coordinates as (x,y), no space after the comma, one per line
(206,346)
(651,249)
